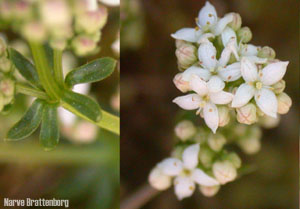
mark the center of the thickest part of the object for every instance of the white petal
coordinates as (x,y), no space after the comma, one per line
(257,60)
(204,74)
(227,35)
(211,116)
(215,84)
(222,23)
(248,50)
(207,55)
(180,83)
(248,70)
(171,166)
(190,156)
(184,187)
(273,73)
(188,102)
(158,180)
(231,72)
(243,95)
(187,34)
(207,16)
(198,86)
(204,38)
(231,48)
(203,179)
(221,97)
(267,102)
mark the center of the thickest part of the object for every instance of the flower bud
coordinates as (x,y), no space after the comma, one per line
(244,34)
(22,10)
(91,21)
(236,22)
(224,116)
(224,171)
(269,122)
(247,114)
(179,43)
(209,191)
(185,130)
(83,45)
(250,145)
(234,159)
(177,152)
(5,65)
(284,103)
(34,31)
(266,52)
(7,87)
(2,47)
(55,13)
(279,87)
(206,156)
(181,84)
(216,142)
(58,44)
(6,9)
(186,55)
(158,180)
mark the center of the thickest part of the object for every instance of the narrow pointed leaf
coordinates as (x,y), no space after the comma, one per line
(49,135)
(94,71)
(29,122)
(25,67)
(81,105)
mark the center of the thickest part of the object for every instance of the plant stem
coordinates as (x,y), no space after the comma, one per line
(139,198)
(27,90)
(109,122)
(58,71)
(44,71)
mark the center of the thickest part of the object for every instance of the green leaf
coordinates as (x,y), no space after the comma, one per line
(94,71)
(29,123)
(81,105)
(25,67)
(49,135)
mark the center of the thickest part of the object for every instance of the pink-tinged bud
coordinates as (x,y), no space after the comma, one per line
(224,171)
(266,52)
(34,31)
(58,44)
(247,114)
(22,10)
(186,55)
(83,45)
(5,64)
(224,116)
(179,43)
(91,21)
(284,103)
(185,130)
(209,191)
(6,9)
(7,87)
(158,180)
(279,87)
(55,13)
(182,85)
(236,22)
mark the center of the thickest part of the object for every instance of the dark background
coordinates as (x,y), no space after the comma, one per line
(148,116)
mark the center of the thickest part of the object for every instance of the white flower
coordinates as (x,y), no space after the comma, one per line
(205,100)
(185,172)
(224,171)
(209,25)
(258,85)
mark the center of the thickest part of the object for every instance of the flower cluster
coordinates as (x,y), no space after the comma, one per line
(7,81)
(74,24)
(231,84)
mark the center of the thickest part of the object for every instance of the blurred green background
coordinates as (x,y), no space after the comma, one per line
(84,171)
(148,116)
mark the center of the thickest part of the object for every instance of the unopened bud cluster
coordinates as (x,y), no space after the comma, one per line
(231,84)
(74,24)
(7,81)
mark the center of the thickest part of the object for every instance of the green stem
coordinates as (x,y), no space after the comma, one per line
(109,122)
(44,71)
(58,71)
(27,90)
